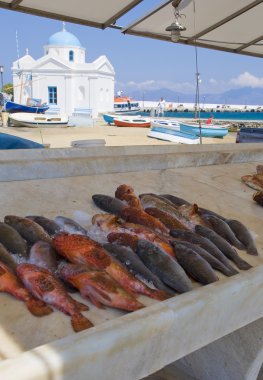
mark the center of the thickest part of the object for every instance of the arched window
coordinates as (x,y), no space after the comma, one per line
(71,56)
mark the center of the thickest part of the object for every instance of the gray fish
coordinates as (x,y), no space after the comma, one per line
(175,200)
(12,240)
(180,201)
(43,255)
(7,258)
(224,246)
(134,264)
(203,242)
(214,262)
(28,229)
(109,204)
(243,234)
(165,267)
(195,265)
(70,226)
(222,228)
(49,225)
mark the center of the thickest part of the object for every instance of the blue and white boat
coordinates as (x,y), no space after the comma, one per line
(170,131)
(12,107)
(207,130)
(109,118)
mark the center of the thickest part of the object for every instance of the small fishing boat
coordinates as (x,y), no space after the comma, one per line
(12,107)
(125,104)
(23,119)
(166,124)
(173,135)
(132,122)
(109,118)
(207,130)
(14,142)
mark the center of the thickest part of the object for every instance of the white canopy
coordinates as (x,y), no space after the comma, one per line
(233,26)
(99,13)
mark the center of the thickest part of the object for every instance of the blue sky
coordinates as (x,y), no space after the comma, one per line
(140,63)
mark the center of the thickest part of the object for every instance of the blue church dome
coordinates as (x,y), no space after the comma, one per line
(64,38)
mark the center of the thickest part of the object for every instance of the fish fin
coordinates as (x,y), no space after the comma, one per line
(252,250)
(79,322)
(81,306)
(159,295)
(92,299)
(38,308)
(242,264)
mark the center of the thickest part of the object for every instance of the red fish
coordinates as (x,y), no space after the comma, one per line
(44,286)
(135,215)
(10,284)
(80,249)
(99,287)
(109,224)
(126,193)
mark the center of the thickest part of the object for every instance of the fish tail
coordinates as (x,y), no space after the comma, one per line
(38,308)
(252,250)
(242,264)
(159,295)
(228,272)
(81,306)
(79,322)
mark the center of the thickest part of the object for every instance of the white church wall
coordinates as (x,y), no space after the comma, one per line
(62,52)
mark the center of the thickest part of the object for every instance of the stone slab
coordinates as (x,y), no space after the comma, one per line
(134,345)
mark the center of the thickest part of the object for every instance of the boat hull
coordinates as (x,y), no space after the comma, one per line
(176,136)
(132,123)
(12,107)
(206,131)
(34,121)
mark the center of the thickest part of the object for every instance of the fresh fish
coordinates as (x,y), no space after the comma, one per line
(12,240)
(44,286)
(195,265)
(201,211)
(43,255)
(81,249)
(99,287)
(222,228)
(175,200)
(169,221)
(126,193)
(166,268)
(243,234)
(191,213)
(28,229)
(224,246)
(204,243)
(253,181)
(258,197)
(214,262)
(109,224)
(70,226)
(7,258)
(109,204)
(151,200)
(139,216)
(132,262)
(10,284)
(49,225)
(259,169)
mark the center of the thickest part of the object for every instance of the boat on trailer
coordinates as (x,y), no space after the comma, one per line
(24,119)
(137,122)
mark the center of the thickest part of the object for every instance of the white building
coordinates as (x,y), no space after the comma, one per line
(63,79)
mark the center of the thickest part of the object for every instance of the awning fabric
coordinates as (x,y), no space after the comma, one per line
(99,13)
(233,26)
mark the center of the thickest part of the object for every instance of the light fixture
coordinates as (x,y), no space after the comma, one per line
(176,28)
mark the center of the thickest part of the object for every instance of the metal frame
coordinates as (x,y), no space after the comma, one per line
(15,6)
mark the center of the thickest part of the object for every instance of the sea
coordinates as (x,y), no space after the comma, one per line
(233,116)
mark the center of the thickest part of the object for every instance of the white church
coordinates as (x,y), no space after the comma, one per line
(63,79)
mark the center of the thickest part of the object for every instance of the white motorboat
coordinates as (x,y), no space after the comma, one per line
(24,119)
(169,124)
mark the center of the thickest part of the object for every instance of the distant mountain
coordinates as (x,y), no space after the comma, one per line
(246,96)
